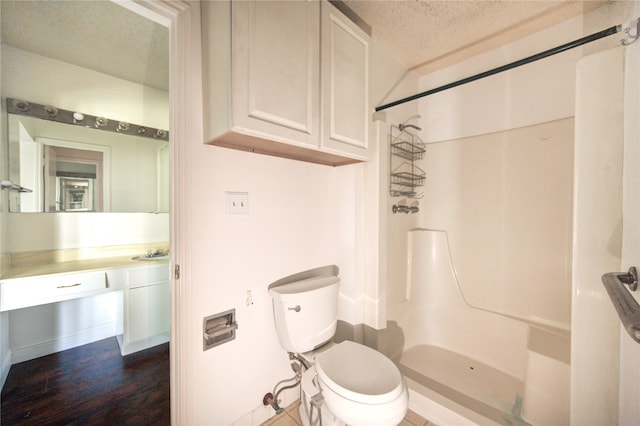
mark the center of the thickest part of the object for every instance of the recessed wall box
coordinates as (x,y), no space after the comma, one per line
(218,329)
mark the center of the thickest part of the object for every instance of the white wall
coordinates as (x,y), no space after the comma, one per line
(79,89)
(301,216)
(57,231)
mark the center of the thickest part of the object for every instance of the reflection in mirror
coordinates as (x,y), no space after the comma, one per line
(73,177)
(76,168)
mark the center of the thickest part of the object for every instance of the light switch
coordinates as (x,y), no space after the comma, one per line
(237,202)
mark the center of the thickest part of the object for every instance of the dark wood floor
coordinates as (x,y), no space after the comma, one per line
(89,385)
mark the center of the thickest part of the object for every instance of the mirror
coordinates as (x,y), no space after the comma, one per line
(75,168)
(94,57)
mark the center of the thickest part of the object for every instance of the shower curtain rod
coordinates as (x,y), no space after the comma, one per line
(524,61)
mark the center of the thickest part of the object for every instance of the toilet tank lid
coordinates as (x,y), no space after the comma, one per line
(291,290)
(323,271)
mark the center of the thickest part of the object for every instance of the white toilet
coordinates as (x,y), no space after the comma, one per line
(351,383)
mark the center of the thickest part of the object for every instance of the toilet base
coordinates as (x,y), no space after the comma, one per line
(328,419)
(387,415)
(309,413)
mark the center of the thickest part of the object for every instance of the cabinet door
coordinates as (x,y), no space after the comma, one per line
(147,306)
(149,311)
(345,84)
(275,76)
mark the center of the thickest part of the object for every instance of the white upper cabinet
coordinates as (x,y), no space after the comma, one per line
(285,78)
(275,74)
(345,84)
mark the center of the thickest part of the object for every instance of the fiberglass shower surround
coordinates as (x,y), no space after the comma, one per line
(494,357)
(487,287)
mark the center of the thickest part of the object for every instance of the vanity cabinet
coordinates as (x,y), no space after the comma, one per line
(147,308)
(286,78)
(143,311)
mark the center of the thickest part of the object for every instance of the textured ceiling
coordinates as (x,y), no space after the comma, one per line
(98,35)
(427,35)
(423,35)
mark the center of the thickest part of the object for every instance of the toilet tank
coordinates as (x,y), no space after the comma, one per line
(305,308)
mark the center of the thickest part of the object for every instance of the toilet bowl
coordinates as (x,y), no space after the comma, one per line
(360,386)
(346,383)
(352,384)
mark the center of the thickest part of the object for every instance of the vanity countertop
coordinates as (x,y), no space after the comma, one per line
(33,264)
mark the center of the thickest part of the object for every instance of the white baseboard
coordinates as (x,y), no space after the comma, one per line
(138,345)
(5,366)
(61,343)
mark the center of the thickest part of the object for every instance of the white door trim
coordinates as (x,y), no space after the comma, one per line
(185,97)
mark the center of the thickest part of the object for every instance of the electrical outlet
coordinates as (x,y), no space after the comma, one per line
(237,202)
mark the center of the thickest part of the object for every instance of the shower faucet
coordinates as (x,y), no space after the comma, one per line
(401,208)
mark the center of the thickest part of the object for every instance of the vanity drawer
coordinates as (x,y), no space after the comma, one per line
(24,292)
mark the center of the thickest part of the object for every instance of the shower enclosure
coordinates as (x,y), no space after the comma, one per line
(490,286)
(480,279)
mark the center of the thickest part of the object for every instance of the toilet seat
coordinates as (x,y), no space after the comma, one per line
(359,373)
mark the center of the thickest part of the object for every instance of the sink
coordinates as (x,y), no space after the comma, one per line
(151,256)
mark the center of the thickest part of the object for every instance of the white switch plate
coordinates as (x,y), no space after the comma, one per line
(237,202)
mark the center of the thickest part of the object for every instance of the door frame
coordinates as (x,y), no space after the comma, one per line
(186,121)
(103,168)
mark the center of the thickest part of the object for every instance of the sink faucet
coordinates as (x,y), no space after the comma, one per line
(157,253)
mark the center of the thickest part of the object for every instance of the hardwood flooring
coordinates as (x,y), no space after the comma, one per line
(89,385)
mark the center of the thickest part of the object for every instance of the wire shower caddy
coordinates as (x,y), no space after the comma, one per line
(405,176)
